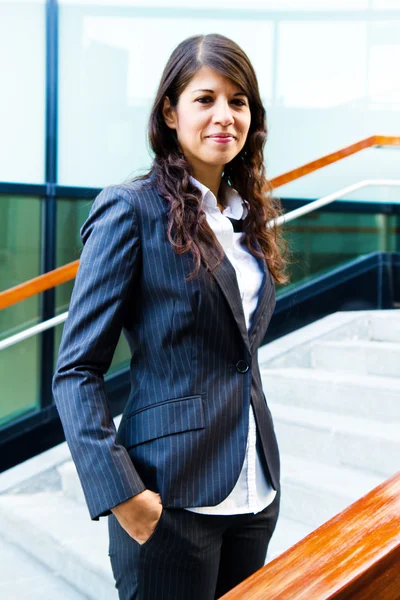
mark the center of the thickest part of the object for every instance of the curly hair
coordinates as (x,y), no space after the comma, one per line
(187,224)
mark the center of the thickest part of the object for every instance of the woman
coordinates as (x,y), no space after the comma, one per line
(181,260)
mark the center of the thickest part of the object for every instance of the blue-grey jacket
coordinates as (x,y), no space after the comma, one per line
(194,366)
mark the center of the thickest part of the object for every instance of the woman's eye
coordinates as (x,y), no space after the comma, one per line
(237,102)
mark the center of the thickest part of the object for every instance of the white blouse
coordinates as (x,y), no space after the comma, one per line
(252,491)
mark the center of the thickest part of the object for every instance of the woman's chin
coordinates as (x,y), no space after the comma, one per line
(218,158)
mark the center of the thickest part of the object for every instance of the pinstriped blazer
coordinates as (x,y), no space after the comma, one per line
(194,367)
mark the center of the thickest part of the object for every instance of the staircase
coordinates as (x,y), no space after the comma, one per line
(44,514)
(334,391)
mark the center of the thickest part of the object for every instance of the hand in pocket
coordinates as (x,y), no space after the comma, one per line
(139,515)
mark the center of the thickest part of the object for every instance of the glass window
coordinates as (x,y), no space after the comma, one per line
(22,98)
(276,5)
(385,4)
(109,73)
(319,97)
(316,72)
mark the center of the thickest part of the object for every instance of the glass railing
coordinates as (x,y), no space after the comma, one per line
(19,364)
(319,242)
(20,256)
(322,241)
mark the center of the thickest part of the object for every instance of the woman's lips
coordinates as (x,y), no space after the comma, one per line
(222,139)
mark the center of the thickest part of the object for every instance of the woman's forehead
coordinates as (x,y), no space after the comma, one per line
(208,80)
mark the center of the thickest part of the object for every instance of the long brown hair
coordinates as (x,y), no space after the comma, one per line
(187,225)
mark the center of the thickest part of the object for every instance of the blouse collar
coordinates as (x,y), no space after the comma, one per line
(235,206)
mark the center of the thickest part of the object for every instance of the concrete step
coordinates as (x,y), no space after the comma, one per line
(337,439)
(313,493)
(385,326)
(70,482)
(360,357)
(288,532)
(366,396)
(62,537)
(59,533)
(22,577)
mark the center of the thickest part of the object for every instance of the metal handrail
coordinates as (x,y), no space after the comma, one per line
(31,331)
(294,214)
(307,208)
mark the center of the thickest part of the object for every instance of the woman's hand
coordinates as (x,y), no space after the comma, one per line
(139,515)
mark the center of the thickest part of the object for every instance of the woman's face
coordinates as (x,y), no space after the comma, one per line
(209,105)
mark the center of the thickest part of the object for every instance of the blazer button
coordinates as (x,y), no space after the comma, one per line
(242,366)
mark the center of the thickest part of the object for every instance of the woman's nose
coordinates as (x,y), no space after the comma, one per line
(222,113)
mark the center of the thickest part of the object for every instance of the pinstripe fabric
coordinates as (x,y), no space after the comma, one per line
(190,555)
(184,428)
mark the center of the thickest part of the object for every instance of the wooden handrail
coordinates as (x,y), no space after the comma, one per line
(355,555)
(39,284)
(67,272)
(324,161)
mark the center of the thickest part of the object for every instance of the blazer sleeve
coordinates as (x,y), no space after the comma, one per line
(99,303)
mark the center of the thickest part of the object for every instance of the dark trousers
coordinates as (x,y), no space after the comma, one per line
(190,555)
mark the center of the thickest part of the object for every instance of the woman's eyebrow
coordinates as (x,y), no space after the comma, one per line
(212,92)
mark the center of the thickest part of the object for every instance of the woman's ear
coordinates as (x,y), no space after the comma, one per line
(169,113)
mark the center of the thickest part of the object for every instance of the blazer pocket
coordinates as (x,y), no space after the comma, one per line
(172,416)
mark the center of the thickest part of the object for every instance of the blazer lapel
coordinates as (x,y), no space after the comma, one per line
(225,276)
(264,295)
